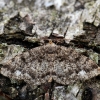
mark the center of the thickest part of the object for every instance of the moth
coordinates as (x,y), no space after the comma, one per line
(38,65)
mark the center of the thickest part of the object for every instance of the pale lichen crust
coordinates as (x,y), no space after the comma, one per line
(64,65)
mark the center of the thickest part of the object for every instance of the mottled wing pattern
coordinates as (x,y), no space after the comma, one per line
(39,64)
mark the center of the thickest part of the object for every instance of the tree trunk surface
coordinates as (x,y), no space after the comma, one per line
(27,24)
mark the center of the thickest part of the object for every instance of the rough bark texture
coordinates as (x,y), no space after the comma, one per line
(26,24)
